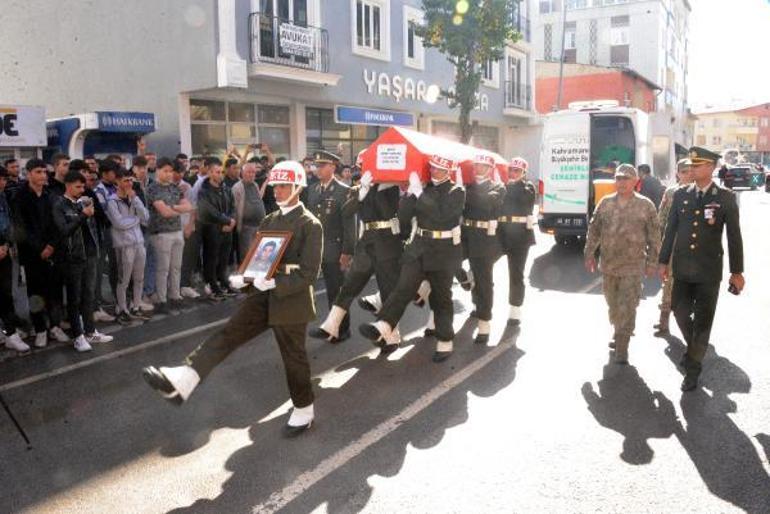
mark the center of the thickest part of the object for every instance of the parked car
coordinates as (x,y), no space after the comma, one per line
(742,176)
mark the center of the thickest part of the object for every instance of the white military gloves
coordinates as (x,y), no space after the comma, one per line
(459,177)
(366,184)
(264,285)
(496,177)
(415,185)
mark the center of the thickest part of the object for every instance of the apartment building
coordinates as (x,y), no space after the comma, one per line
(746,130)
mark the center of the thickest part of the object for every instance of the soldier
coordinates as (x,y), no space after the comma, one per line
(377,252)
(483,200)
(625,229)
(683,177)
(698,216)
(516,232)
(434,254)
(283,303)
(325,200)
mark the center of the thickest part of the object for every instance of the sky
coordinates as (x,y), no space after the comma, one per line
(729,46)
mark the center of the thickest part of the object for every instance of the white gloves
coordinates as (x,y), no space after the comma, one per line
(236,281)
(264,285)
(459,177)
(366,184)
(415,185)
(496,177)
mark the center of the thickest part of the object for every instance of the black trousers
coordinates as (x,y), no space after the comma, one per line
(334,278)
(44,290)
(517,260)
(191,257)
(249,321)
(217,246)
(107,262)
(365,264)
(7,307)
(412,274)
(80,284)
(483,291)
(694,305)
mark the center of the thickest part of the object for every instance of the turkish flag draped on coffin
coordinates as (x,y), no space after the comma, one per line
(399,151)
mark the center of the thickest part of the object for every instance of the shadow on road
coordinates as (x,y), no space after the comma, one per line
(343,419)
(625,404)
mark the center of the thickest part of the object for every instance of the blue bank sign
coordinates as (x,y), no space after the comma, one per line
(364,116)
(126,121)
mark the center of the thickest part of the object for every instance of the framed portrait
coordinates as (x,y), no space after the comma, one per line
(264,256)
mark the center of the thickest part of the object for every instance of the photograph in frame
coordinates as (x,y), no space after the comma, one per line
(264,256)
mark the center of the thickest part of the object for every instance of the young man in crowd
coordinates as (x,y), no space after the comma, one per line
(105,189)
(61,165)
(13,340)
(141,181)
(127,214)
(13,179)
(166,206)
(649,186)
(188,231)
(232,172)
(36,238)
(249,208)
(77,251)
(184,163)
(216,219)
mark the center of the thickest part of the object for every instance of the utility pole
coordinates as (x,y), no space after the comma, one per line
(561,54)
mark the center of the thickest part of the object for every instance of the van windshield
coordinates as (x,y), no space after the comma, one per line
(612,139)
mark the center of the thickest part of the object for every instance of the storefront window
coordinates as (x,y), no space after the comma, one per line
(483,137)
(217,125)
(345,140)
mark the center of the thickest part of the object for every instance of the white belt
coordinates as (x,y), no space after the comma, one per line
(512,219)
(453,234)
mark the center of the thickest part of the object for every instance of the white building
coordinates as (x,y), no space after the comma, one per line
(647,36)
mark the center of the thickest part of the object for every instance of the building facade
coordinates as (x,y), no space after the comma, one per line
(746,130)
(296,74)
(648,37)
(583,82)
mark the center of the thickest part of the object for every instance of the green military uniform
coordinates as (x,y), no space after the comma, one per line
(516,235)
(379,249)
(432,255)
(326,202)
(480,243)
(627,235)
(665,208)
(287,308)
(693,244)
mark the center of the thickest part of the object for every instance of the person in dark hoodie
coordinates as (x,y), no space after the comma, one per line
(216,216)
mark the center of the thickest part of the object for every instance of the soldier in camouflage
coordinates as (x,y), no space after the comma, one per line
(625,229)
(683,177)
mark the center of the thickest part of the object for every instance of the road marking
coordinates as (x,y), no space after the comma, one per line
(126,351)
(308,479)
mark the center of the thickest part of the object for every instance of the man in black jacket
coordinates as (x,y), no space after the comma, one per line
(77,244)
(216,216)
(698,217)
(36,239)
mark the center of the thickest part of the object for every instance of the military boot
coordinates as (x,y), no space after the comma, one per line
(662,325)
(621,349)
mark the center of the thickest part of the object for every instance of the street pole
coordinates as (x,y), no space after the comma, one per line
(561,53)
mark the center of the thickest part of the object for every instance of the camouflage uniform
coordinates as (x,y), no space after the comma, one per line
(665,208)
(628,237)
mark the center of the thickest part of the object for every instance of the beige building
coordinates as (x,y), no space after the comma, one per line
(747,129)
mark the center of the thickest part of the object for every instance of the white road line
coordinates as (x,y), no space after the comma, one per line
(102,358)
(308,479)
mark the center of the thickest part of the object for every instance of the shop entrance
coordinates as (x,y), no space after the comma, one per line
(323,133)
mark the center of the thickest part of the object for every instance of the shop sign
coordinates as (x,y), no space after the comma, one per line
(378,117)
(143,122)
(295,40)
(22,125)
(400,88)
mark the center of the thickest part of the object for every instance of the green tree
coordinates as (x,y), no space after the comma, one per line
(469,33)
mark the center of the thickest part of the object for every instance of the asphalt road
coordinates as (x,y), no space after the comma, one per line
(538,421)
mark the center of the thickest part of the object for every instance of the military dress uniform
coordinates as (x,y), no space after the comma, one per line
(326,202)
(628,237)
(516,237)
(693,244)
(483,200)
(434,254)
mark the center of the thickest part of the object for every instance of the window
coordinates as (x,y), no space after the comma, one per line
(593,38)
(215,125)
(414,53)
(490,74)
(701,140)
(716,123)
(548,42)
(570,36)
(548,6)
(371,28)
(765,122)
(619,40)
(323,133)
(716,140)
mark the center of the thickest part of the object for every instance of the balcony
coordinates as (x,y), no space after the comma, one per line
(282,50)
(518,97)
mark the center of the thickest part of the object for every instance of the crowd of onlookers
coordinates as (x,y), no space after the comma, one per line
(161,231)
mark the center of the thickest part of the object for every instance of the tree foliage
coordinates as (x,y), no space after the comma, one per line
(469,33)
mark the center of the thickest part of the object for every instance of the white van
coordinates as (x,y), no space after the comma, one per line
(578,145)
